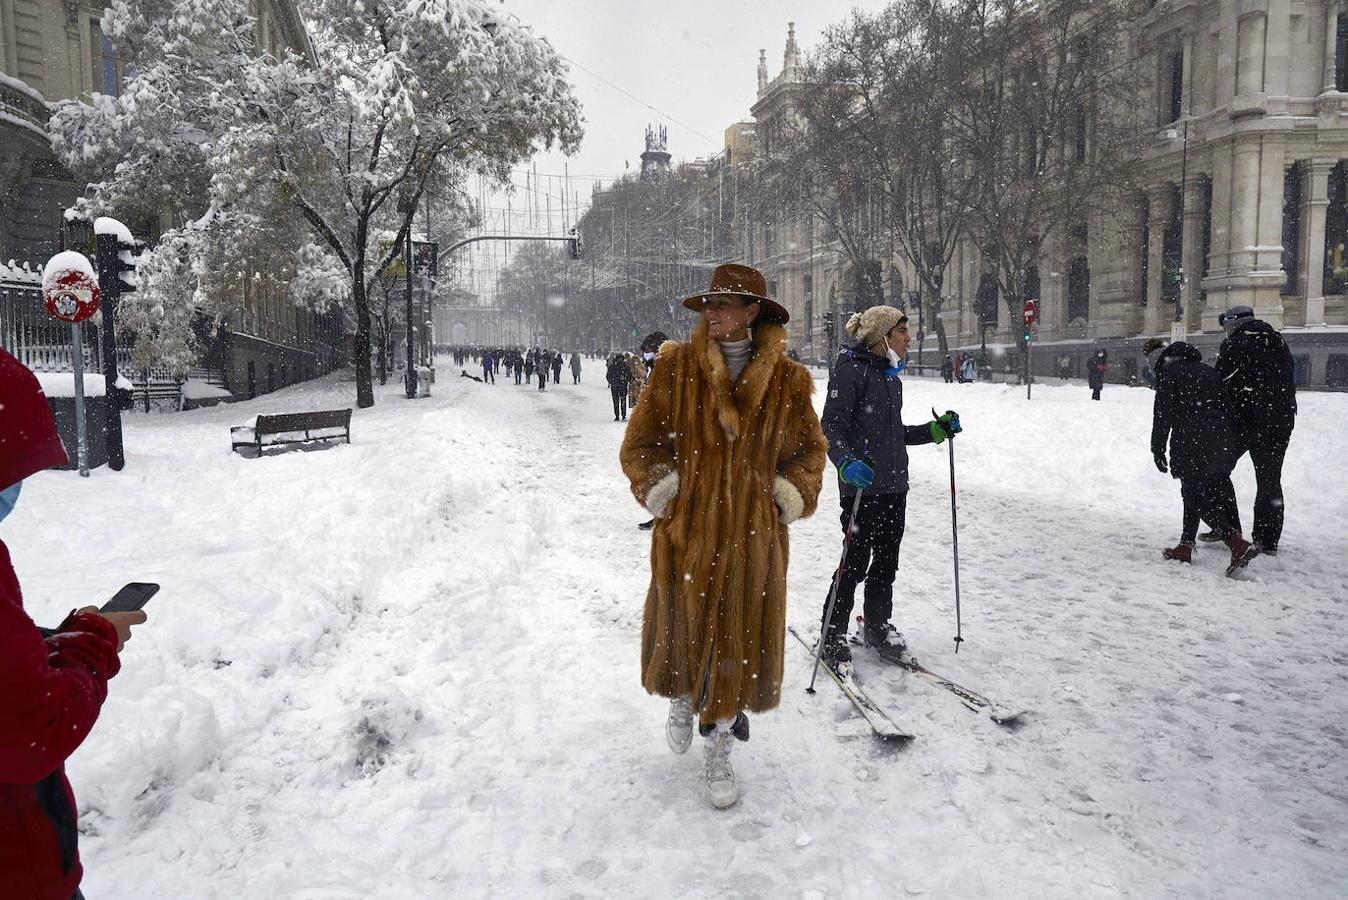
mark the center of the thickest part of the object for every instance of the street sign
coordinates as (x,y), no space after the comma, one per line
(72,296)
(1031,311)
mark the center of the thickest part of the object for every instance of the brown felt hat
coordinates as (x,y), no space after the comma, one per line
(742,281)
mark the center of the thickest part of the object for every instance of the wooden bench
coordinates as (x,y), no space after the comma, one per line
(293,428)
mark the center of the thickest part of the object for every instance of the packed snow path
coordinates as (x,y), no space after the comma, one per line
(408,668)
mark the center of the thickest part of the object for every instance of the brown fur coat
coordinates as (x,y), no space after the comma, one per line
(715,618)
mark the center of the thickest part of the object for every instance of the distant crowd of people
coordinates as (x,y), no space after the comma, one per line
(526,364)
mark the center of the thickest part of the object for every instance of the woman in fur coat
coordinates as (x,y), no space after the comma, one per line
(725,451)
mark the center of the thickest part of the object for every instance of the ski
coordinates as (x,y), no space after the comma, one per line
(877,718)
(1001,713)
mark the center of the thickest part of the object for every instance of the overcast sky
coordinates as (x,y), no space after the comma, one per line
(695,61)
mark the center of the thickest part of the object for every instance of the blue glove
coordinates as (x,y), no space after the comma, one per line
(857,473)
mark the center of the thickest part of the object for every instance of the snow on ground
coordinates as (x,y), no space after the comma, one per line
(407,667)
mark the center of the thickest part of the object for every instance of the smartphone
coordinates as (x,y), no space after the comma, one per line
(131,597)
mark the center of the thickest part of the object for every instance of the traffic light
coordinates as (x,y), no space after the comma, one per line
(574,243)
(117,264)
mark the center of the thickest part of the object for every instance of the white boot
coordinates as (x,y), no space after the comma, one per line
(679,725)
(722,789)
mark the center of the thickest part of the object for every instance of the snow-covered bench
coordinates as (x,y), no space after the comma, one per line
(292,428)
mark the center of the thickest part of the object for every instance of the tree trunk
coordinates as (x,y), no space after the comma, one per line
(381,334)
(364,384)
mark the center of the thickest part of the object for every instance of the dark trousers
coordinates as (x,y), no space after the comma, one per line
(575,378)
(1213,499)
(518,374)
(488,376)
(542,379)
(1267,449)
(619,402)
(873,556)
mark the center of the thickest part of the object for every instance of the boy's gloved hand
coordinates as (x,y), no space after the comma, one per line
(857,473)
(945,425)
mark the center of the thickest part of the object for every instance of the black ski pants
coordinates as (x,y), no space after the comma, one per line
(619,402)
(873,556)
(1267,450)
(1212,498)
(542,379)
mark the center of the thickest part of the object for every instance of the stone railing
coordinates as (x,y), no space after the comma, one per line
(21,105)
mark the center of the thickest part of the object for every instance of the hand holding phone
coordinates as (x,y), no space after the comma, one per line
(131,597)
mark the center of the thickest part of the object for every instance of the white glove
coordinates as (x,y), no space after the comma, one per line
(790,504)
(658,497)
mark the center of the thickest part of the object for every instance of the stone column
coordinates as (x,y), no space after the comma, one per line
(1190,252)
(1314,205)
(1158,314)
(1331,41)
(1266,278)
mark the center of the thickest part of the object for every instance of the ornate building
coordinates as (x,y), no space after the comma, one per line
(1246,203)
(655,158)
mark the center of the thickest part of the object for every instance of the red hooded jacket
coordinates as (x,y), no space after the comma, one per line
(51,686)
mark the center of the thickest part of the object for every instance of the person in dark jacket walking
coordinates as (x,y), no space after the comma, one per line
(868,443)
(1190,414)
(52,683)
(617,377)
(556,367)
(575,368)
(947,369)
(1259,386)
(1095,372)
(488,367)
(529,367)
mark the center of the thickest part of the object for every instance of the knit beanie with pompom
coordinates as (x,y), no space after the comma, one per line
(870,326)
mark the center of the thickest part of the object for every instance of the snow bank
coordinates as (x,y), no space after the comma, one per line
(196,389)
(62,384)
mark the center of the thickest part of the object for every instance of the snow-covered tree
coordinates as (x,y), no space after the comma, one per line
(400,97)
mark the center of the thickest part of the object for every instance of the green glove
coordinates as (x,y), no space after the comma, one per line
(945,425)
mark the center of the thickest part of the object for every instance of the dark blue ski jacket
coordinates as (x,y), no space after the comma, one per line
(863,417)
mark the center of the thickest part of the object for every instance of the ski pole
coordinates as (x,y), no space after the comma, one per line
(833,591)
(954,539)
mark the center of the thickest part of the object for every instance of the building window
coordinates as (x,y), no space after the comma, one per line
(1291,227)
(1173,87)
(1172,256)
(1078,288)
(1144,255)
(110,70)
(1341,55)
(988,298)
(1336,233)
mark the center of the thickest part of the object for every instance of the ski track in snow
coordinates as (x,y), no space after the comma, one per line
(408,668)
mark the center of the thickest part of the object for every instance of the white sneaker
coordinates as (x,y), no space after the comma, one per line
(679,725)
(722,789)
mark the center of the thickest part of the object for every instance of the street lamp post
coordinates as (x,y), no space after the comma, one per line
(406,207)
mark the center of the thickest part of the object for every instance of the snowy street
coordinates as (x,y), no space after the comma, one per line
(408,667)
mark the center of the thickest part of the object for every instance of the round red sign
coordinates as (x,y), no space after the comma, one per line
(72,296)
(1031,310)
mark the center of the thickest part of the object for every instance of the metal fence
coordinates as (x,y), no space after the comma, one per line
(42,343)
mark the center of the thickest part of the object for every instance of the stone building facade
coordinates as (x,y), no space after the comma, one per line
(1246,202)
(54,50)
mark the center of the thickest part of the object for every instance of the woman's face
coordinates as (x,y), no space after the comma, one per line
(728,316)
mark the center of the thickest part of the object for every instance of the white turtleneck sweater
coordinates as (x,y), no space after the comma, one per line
(737,355)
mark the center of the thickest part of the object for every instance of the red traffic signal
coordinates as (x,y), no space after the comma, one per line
(1031,311)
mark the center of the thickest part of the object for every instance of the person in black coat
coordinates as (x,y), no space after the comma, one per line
(1259,385)
(1095,372)
(618,381)
(868,443)
(1190,415)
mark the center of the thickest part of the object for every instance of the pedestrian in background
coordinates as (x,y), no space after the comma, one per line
(1095,372)
(1259,385)
(1189,414)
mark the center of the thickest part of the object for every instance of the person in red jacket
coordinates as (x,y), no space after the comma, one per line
(52,683)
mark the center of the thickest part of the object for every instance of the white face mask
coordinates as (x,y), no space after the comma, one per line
(893,357)
(648,355)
